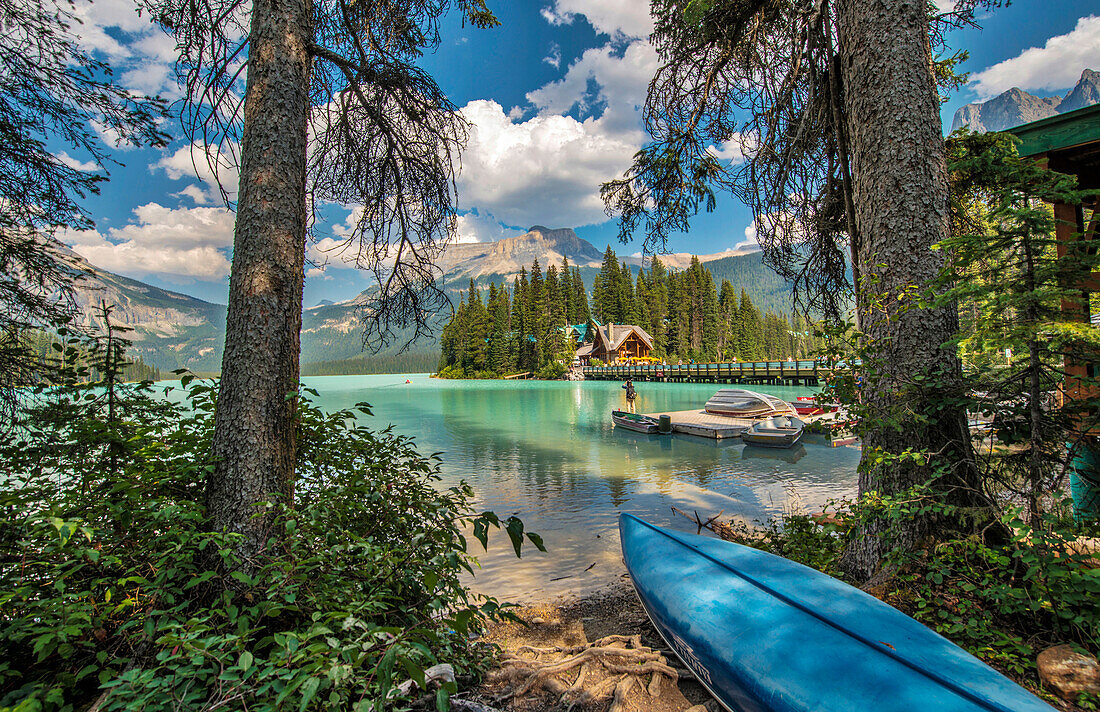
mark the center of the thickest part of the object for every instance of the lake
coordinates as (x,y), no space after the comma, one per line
(547,452)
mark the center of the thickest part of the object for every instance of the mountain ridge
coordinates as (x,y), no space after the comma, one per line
(173,330)
(1016,106)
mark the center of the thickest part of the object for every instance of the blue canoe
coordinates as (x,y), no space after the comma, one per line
(765,634)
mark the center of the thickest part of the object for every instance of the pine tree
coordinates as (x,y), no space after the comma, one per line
(477,332)
(627,308)
(1021,287)
(727,322)
(751,346)
(581,310)
(657,294)
(568,305)
(498,331)
(537,317)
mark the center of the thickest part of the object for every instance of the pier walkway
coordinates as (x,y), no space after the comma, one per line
(795,373)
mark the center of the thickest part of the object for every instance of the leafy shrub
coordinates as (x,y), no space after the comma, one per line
(112,587)
(553,371)
(451,372)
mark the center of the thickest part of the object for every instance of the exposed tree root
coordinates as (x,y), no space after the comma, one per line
(609,669)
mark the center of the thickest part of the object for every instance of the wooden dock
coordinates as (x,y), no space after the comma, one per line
(704,424)
(808,373)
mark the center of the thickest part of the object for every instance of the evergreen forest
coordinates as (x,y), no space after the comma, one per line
(687,313)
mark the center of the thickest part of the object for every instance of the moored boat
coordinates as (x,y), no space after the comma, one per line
(746,404)
(765,634)
(775,431)
(635,422)
(807,405)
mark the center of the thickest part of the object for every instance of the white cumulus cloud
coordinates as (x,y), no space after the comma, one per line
(481,227)
(622,79)
(141,52)
(1056,65)
(180,244)
(628,18)
(77,164)
(194,161)
(547,169)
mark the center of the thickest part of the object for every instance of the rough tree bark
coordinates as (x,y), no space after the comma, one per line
(901,210)
(254,434)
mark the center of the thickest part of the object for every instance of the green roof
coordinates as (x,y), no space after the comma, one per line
(1060,132)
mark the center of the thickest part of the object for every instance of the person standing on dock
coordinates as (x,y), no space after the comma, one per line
(631,395)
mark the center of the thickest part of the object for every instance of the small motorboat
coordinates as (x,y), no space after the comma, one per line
(764,634)
(776,431)
(635,422)
(807,405)
(740,403)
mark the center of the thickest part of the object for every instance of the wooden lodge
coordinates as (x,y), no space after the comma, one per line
(614,343)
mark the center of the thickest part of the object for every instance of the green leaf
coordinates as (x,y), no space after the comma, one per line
(537,541)
(514,527)
(309,691)
(462,620)
(481,532)
(414,671)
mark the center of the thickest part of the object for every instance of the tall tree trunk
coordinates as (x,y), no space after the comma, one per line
(901,210)
(254,433)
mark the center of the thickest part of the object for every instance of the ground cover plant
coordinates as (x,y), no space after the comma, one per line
(115,593)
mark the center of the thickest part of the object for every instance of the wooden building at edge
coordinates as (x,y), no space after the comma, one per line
(616,342)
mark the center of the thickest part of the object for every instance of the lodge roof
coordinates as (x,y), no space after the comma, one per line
(613,335)
(1071,142)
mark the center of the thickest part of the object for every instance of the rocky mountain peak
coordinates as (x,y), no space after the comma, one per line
(1016,106)
(1086,93)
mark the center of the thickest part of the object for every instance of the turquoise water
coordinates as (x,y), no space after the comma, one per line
(547,452)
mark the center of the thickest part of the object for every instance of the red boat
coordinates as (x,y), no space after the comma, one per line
(807,405)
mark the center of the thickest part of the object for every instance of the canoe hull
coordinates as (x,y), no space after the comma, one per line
(739,403)
(767,635)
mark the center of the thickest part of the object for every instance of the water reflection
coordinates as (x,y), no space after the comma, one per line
(548,452)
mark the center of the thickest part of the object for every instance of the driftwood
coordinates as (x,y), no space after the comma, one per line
(607,669)
(724,530)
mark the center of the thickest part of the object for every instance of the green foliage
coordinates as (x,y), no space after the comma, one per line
(113,587)
(46,346)
(553,371)
(1023,313)
(682,311)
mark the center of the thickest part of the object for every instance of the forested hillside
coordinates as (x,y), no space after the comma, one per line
(689,316)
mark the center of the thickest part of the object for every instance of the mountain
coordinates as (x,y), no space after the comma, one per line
(169,330)
(172,330)
(504,258)
(1015,106)
(501,261)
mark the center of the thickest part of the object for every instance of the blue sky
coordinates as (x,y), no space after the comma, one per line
(552,97)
